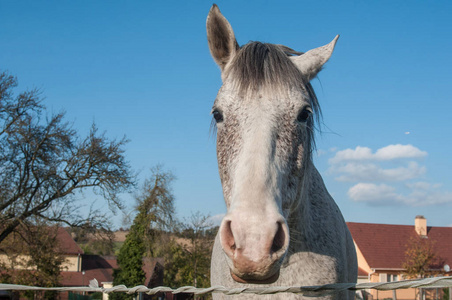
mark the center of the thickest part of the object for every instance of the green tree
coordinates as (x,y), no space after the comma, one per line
(44,163)
(130,261)
(155,213)
(155,206)
(175,261)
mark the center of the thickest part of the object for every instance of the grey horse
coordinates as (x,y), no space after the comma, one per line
(282,227)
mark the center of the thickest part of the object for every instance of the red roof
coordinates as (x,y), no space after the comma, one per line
(101,268)
(362,273)
(78,279)
(383,246)
(67,244)
(95,267)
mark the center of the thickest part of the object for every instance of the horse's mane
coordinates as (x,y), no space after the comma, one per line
(258,66)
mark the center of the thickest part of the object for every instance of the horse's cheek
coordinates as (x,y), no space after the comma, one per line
(227,150)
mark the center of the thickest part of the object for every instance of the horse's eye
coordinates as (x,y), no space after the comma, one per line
(304,115)
(217,116)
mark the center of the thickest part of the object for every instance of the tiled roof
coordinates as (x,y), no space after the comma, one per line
(383,246)
(362,273)
(101,268)
(67,244)
(78,279)
(95,267)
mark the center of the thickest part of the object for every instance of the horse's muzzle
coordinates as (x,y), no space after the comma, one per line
(254,253)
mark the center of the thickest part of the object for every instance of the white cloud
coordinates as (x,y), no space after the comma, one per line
(354,171)
(399,151)
(422,194)
(386,176)
(359,153)
(372,193)
(387,153)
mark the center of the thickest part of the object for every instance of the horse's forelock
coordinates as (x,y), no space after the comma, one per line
(260,66)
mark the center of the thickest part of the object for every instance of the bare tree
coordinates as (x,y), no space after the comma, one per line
(198,250)
(44,163)
(94,240)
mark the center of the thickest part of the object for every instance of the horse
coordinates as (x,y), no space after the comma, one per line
(282,227)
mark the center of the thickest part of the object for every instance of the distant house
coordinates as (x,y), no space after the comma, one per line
(69,249)
(91,267)
(79,269)
(381,252)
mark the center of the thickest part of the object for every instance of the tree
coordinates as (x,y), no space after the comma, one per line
(92,240)
(34,258)
(421,260)
(44,163)
(196,251)
(155,206)
(130,262)
(175,261)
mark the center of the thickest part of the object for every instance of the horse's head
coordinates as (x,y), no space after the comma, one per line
(264,114)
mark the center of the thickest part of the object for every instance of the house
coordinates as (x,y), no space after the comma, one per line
(381,252)
(78,268)
(92,267)
(12,258)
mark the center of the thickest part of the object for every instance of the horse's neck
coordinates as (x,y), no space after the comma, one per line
(313,203)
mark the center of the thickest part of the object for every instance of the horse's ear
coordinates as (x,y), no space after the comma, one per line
(221,39)
(311,62)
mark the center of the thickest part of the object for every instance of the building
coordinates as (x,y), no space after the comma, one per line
(12,258)
(78,268)
(381,253)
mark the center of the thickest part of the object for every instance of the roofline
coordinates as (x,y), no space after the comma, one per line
(388,269)
(402,269)
(450,227)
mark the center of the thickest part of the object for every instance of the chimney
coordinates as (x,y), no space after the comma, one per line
(420,225)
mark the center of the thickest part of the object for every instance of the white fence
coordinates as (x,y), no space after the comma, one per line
(436,282)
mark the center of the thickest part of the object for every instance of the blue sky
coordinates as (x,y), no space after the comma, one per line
(142,69)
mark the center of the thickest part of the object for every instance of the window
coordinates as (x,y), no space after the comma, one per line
(392,277)
(389,277)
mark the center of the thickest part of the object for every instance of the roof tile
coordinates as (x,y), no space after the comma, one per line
(384,245)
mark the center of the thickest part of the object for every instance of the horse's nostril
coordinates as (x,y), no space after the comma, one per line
(228,236)
(279,239)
